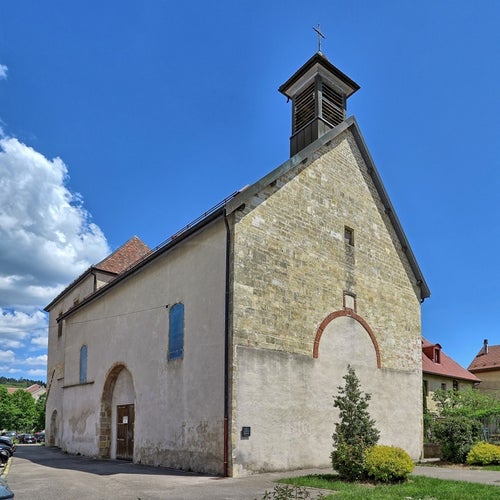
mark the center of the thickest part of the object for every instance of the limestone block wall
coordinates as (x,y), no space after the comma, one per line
(293,268)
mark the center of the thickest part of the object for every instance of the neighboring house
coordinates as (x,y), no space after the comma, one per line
(36,390)
(486,365)
(220,351)
(439,371)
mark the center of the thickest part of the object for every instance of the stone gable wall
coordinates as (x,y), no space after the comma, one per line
(292,266)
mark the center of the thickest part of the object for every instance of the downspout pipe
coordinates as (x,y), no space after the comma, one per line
(226,348)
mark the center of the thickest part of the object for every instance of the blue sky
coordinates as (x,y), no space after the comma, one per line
(135,117)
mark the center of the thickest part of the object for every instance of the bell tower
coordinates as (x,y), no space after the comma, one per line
(319,93)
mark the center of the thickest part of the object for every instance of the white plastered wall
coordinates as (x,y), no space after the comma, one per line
(287,401)
(178,404)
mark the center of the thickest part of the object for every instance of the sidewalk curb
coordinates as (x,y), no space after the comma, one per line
(6,469)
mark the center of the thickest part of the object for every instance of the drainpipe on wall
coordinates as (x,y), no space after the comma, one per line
(226,349)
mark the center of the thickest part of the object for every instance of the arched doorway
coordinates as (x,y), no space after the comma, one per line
(53,437)
(117,417)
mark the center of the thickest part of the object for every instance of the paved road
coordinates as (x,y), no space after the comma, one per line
(40,473)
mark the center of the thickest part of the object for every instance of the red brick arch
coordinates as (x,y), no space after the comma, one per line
(105,422)
(350,314)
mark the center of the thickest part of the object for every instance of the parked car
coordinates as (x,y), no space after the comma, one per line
(29,439)
(7,442)
(4,456)
(10,434)
(7,449)
(40,437)
(5,491)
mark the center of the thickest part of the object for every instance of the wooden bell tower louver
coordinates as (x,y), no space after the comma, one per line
(319,92)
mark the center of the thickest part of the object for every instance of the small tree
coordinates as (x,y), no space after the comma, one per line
(355,432)
(24,414)
(40,412)
(457,435)
(462,416)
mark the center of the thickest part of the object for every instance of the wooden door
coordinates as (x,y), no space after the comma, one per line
(125,432)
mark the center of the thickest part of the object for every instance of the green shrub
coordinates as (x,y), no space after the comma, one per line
(457,435)
(355,431)
(388,464)
(348,460)
(484,454)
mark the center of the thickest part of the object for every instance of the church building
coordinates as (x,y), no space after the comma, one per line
(220,351)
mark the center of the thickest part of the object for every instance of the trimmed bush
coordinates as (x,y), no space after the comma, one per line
(457,435)
(484,454)
(388,464)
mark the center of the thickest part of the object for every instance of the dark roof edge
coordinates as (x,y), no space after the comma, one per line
(475,379)
(233,202)
(320,58)
(391,213)
(484,369)
(303,156)
(159,250)
(74,283)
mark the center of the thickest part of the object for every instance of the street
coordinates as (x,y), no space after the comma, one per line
(42,473)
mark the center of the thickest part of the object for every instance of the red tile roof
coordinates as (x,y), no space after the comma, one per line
(446,367)
(486,362)
(32,389)
(124,257)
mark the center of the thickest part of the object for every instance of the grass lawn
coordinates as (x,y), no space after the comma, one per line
(489,467)
(417,487)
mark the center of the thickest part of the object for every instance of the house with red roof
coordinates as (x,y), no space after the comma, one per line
(36,390)
(439,371)
(486,365)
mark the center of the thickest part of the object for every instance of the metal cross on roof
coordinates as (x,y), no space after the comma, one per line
(320,36)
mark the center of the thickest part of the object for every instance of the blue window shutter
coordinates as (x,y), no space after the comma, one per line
(176,333)
(83,364)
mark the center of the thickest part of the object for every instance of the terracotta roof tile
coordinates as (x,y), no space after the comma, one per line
(489,361)
(446,367)
(124,257)
(34,388)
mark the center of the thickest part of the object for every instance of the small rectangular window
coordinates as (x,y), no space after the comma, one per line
(349,301)
(349,236)
(455,385)
(443,386)
(437,357)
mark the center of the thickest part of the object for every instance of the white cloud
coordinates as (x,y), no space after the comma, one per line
(16,327)
(40,341)
(38,360)
(46,237)
(7,356)
(46,240)
(3,71)
(36,374)
(10,371)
